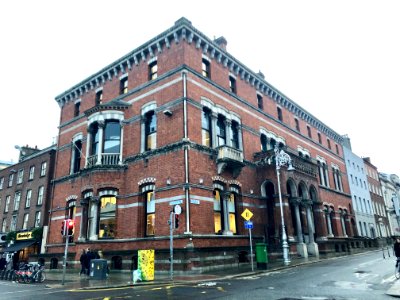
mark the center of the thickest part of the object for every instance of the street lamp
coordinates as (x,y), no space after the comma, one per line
(282,159)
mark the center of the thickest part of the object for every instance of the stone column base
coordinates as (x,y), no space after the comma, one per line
(302,250)
(313,249)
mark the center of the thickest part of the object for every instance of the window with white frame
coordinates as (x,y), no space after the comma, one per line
(37,218)
(150,130)
(206,131)
(13,226)
(323,172)
(221,131)
(7,204)
(40,195)
(4,225)
(17,200)
(43,168)
(1,183)
(20,176)
(107,217)
(28,198)
(31,173)
(26,219)
(10,180)
(150,204)
(337,178)
(76,155)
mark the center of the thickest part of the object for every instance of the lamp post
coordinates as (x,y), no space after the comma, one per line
(282,159)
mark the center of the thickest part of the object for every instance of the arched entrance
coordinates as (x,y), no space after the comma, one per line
(268,191)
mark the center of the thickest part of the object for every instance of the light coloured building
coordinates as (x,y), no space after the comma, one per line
(391,196)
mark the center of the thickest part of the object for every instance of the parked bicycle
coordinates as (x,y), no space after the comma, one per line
(35,274)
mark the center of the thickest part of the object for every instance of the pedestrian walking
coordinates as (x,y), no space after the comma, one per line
(84,263)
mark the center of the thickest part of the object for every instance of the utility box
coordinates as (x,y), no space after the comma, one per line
(98,269)
(261,256)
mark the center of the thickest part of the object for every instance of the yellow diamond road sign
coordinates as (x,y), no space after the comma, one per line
(247,214)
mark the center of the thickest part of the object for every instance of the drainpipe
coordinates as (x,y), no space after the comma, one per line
(186,151)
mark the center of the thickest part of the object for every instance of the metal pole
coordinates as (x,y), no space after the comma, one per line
(171,245)
(65,258)
(285,245)
(251,251)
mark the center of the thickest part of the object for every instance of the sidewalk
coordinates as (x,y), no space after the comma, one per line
(123,279)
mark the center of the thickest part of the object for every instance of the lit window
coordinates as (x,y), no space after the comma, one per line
(43,168)
(107,222)
(205,68)
(31,172)
(232,213)
(28,198)
(153,70)
(206,127)
(217,212)
(150,212)
(123,86)
(40,195)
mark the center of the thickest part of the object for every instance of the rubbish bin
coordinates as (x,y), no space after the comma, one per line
(98,269)
(261,256)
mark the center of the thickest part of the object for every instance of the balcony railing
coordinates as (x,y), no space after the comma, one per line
(230,159)
(225,152)
(107,159)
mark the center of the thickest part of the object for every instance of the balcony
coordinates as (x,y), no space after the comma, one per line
(107,159)
(229,159)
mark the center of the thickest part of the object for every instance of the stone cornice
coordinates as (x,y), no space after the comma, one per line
(184,31)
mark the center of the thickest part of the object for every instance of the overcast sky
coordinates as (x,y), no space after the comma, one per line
(339,60)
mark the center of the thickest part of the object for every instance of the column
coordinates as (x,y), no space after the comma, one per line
(84,220)
(121,145)
(328,221)
(88,145)
(214,117)
(226,230)
(342,217)
(100,147)
(143,134)
(299,231)
(310,224)
(228,132)
(94,208)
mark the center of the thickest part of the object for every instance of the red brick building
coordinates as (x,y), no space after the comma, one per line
(180,121)
(25,189)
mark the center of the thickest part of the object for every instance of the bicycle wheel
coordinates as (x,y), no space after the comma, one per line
(397,271)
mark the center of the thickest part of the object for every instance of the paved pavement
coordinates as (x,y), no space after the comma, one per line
(73,280)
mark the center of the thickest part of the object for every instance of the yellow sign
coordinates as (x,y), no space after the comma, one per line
(247,214)
(24,235)
(146,264)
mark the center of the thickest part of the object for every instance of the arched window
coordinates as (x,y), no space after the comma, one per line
(235,135)
(221,131)
(70,209)
(263,140)
(150,208)
(107,217)
(218,217)
(206,127)
(150,128)
(232,212)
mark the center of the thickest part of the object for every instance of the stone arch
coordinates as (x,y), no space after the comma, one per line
(302,190)
(291,188)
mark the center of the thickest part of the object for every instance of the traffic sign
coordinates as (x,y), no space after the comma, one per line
(247,214)
(248,224)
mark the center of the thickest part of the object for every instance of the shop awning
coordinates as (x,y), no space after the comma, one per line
(18,246)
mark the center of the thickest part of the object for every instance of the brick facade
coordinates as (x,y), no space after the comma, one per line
(182,169)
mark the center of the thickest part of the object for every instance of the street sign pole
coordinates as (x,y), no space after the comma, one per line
(171,244)
(65,258)
(251,251)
